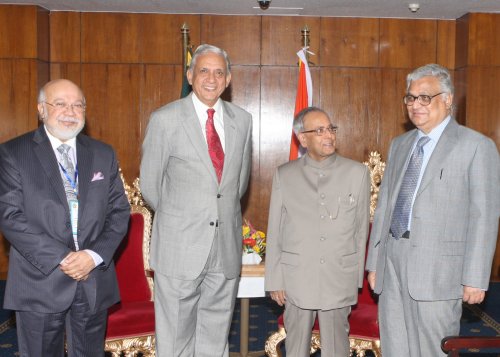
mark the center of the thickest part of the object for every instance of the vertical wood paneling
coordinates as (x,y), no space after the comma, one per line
(240,36)
(282,38)
(394,119)
(18,31)
(42,34)
(349,42)
(161,84)
(483,106)
(484,39)
(351,97)
(161,38)
(111,37)
(446,39)
(112,92)
(407,43)
(68,70)
(17,97)
(462,42)
(65,32)
(245,92)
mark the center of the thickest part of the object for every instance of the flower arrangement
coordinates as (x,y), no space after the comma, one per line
(254,241)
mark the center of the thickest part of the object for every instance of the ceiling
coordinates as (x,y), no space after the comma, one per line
(428,9)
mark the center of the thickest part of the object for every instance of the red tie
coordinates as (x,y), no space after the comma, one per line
(214,146)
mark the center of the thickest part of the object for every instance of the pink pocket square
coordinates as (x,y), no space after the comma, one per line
(97,176)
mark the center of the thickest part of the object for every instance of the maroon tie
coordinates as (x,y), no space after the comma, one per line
(214,146)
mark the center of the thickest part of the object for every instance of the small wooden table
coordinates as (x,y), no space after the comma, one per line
(251,286)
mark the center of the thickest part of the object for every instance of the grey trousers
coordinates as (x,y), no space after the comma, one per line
(333,325)
(193,317)
(409,327)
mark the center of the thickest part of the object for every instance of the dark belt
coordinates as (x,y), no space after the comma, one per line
(405,235)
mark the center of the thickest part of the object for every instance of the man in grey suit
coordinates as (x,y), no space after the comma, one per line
(64,211)
(194,170)
(436,222)
(316,239)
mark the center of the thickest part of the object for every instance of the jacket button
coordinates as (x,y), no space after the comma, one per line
(212,223)
(68,225)
(219,195)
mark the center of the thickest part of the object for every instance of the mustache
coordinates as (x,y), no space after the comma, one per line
(69,120)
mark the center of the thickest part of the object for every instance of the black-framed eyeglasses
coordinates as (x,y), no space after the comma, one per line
(77,107)
(332,129)
(423,99)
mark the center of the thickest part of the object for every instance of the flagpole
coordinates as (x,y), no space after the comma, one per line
(185,44)
(305,39)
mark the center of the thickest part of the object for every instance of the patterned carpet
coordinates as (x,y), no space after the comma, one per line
(483,320)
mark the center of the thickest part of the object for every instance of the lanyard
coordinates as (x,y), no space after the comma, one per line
(74,182)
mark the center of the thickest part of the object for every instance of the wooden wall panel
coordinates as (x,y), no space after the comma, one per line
(245,92)
(240,36)
(42,34)
(282,39)
(407,43)
(161,38)
(394,119)
(112,93)
(351,97)
(483,106)
(462,41)
(446,31)
(349,42)
(111,37)
(65,36)
(18,97)
(67,70)
(18,31)
(484,39)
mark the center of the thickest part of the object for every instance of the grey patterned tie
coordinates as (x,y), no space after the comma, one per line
(70,171)
(401,213)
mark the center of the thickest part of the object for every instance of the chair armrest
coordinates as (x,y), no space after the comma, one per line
(452,344)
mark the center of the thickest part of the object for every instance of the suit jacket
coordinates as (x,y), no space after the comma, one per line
(454,222)
(178,181)
(317,231)
(35,219)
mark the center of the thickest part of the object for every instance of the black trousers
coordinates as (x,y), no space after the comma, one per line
(42,334)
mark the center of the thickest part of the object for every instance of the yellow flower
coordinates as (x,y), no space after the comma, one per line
(246,230)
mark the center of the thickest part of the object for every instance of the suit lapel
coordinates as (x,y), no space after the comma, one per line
(45,155)
(230,138)
(193,131)
(443,148)
(84,163)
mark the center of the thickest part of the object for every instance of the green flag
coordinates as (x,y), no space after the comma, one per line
(186,87)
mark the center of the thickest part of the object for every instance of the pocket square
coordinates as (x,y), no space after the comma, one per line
(97,176)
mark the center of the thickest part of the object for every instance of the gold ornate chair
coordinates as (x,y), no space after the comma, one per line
(131,328)
(364,333)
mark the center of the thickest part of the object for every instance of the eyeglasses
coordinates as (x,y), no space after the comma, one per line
(423,99)
(77,107)
(332,129)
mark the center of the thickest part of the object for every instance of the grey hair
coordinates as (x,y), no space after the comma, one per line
(433,70)
(298,121)
(204,49)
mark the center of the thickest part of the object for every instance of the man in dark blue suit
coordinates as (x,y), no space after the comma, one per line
(64,212)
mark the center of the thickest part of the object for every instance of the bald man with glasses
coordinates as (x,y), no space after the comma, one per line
(436,223)
(316,239)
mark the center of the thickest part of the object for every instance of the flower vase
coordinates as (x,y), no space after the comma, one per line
(251,258)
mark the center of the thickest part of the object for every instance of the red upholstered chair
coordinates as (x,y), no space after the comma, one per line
(364,333)
(131,324)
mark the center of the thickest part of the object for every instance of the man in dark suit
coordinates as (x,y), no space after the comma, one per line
(64,212)
(194,170)
(436,222)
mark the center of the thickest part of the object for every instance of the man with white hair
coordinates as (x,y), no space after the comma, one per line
(436,223)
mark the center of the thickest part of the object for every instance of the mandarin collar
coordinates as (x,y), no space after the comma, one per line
(323,164)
